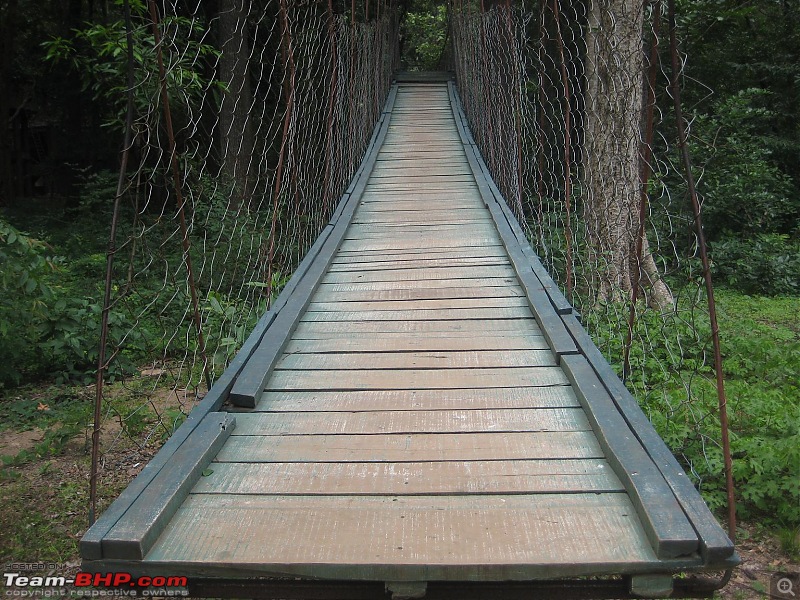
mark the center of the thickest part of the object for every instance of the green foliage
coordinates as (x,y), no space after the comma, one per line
(744,190)
(766,264)
(24,269)
(47,328)
(425,35)
(675,385)
(98,53)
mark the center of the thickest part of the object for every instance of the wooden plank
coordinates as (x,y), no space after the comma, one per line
(455,286)
(345,264)
(380,343)
(442,359)
(409,220)
(370,206)
(349,256)
(136,532)
(327,294)
(412,421)
(415,224)
(425,214)
(473,326)
(455,184)
(420,233)
(421,195)
(439,243)
(453,303)
(419,479)
(715,545)
(412,447)
(432,379)
(667,527)
(399,400)
(420,274)
(409,538)
(413,172)
(420,315)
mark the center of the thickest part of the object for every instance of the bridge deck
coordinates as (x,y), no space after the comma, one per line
(418,423)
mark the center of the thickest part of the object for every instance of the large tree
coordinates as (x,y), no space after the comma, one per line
(615,84)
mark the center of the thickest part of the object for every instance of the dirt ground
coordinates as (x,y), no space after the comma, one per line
(53,493)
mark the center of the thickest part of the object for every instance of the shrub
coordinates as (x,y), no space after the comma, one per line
(767,264)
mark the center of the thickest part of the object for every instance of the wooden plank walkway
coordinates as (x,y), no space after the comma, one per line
(418,422)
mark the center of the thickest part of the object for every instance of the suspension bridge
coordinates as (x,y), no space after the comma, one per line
(419,414)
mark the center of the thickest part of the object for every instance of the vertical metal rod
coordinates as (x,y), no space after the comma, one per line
(701,243)
(286,43)
(110,254)
(645,156)
(567,147)
(516,91)
(327,192)
(176,181)
(540,119)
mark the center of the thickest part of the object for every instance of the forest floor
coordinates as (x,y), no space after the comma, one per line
(44,498)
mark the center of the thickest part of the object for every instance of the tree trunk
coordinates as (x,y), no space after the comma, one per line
(8,15)
(236,136)
(615,84)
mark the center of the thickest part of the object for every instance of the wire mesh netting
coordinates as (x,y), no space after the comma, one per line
(249,120)
(570,104)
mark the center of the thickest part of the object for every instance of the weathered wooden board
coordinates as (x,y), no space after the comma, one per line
(417,360)
(382,343)
(343,264)
(376,207)
(413,223)
(432,379)
(412,172)
(398,400)
(418,244)
(454,184)
(425,214)
(407,422)
(409,537)
(426,478)
(419,315)
(322,304)
(329,295)
(472,326)
(350,256)
(378,199)
(412,447)
(419,274)
(420,233)
(451,286)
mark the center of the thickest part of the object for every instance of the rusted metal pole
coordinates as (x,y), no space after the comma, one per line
(110,254)
(567,148)
(701,244)
(286,42)
(176,181)
(326,191)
